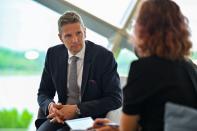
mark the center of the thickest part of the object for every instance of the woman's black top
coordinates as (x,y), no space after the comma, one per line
(152,82)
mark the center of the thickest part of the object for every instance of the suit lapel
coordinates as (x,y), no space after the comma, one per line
(86,67)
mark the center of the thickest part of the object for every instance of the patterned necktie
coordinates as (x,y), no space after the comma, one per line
(73,89)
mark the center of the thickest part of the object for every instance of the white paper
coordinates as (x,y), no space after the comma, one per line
(80,123)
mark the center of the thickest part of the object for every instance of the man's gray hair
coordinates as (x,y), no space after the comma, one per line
(69,17)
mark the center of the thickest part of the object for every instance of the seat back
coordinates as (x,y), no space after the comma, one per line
(114,115)
(179,118)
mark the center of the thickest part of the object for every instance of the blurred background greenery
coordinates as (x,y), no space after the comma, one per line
(11,118)
(15,63)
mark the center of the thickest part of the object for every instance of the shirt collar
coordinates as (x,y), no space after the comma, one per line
(80,54)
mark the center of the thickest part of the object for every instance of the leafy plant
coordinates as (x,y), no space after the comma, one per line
(13,119)
(14,62)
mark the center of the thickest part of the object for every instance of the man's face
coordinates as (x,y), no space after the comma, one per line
(73,37)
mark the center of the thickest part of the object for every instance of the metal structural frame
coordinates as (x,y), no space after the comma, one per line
(118,37)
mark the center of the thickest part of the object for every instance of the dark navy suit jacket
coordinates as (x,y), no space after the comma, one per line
(100,88)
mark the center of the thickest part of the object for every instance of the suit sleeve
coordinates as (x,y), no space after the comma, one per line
(46,91)
(110,85)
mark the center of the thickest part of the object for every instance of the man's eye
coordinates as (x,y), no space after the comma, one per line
(79,33)
(67,36)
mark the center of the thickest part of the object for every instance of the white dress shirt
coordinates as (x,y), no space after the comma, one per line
(80,61)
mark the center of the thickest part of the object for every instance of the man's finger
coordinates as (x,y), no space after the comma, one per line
(59,120)
(59,114)
(53,120)
(51,116)
(58,106)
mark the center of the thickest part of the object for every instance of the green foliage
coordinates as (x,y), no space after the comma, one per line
(14,62)
(126,57)
(13,119)
(194,55)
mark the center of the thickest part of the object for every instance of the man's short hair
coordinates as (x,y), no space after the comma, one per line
(69,17)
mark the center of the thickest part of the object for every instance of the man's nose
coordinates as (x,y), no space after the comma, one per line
(74,39)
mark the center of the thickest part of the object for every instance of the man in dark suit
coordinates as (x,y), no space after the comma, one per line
(97,82)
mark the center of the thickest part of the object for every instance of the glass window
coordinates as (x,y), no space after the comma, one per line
(26,25)
(189,10)
(27,29)
(97,38)
(124,60)
(112,11)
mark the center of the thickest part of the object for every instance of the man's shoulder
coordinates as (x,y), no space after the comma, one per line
(96,48)
(57,47)
(57,50)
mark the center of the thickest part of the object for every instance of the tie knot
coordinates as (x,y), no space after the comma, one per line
(74,58)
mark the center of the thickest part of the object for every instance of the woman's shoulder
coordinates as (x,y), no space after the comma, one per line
(153,66)
(145,62)
(152,62)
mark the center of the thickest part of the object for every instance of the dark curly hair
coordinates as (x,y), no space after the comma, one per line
(163,29)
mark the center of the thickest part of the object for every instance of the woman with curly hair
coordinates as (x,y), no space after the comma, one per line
(161,40)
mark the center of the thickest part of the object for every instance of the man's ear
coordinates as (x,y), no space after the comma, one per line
(84,32)
(60,37)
